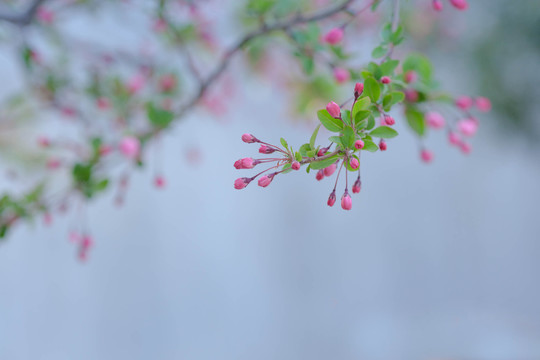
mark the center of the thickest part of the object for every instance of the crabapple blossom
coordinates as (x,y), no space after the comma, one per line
(346,201)
(130,147)
(341,75)
(460,4)
(333,109)
(483,104)
(334,36)
(332,198)
(426,155)
(434,120)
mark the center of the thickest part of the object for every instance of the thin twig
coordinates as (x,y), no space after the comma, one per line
(263,30)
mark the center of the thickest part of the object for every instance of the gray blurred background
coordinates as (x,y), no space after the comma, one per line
(433,262)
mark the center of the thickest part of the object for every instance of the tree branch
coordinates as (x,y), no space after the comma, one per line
(26,17)
(263,30)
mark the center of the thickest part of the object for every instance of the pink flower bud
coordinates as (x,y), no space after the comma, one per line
(159,182)
(346,201)
(265,180)
(47,219)
(322,151)
(334,36)
(295,165)
(159,25)
(357,186)
(354,163)
(382,145)
(332,199)
(45,16)
(358,90)
(460,4)
(248,138)
(44,141)
(103,103)
(333,109)
(53,164)
(483,104)
(105,150)
(437,5)
(388,120)
(245,163)
(320,175)
(426,155)
(130,147)
(167,83)
(266,149)
(411,76)
(466,148)
(241,183)
(453,138)
(85,245)
(74,237)
(341,75)
(386,80)
(136,83)
(329,170)
(87,242)
(358,144)
(434,120)
(464,102)
(467,127)
(411,95)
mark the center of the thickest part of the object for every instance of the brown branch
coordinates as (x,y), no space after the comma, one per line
(320,158)
(263,30)
(24,18)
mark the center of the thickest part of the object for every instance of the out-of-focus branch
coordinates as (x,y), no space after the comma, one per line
(263,30)
(395,24)
(24,18)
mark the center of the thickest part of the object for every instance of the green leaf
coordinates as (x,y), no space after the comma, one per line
(158,117)
(370,146)
(333,125)
(3,230)
(346,117)
(284,143)
(379,51)
(375,70)
(304,149)
(416,121)
(337,140)
(82,172)
(421,65)
(372,89)
(387,32)
(392,98)
(396,38)
(384,132)
(348,137)
(371,122)
(388,67)
(102,185)
(360,104)
(316,165)
(314,136)
(297,156)
(286,168)
(360,121)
